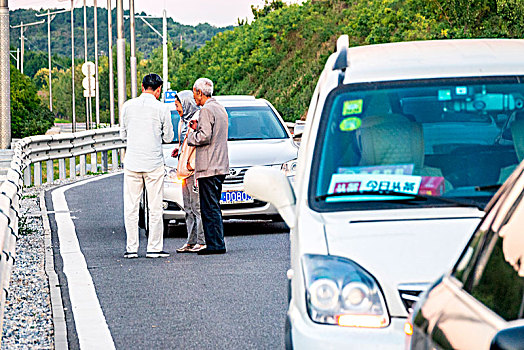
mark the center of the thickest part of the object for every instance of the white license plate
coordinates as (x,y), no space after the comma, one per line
(234,197)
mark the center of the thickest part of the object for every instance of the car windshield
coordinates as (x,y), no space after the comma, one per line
(442,139)
(247,123)
(254,123)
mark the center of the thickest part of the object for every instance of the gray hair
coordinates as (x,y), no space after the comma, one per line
(205,85)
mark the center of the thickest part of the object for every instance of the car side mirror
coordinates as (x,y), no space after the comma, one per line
(508,339)
(271,185)
(298,130)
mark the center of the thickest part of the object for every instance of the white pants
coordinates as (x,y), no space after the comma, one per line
(133,187)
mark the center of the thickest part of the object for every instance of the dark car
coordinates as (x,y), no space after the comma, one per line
(480,303)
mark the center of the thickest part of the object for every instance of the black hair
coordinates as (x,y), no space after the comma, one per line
(152,81)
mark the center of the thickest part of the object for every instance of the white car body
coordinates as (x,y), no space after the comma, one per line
(402,249)
(243,154)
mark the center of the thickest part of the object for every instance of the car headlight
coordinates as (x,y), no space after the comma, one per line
(170,176)
(338,291)
(289,168)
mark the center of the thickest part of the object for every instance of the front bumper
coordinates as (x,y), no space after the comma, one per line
(175,204)
(303,333)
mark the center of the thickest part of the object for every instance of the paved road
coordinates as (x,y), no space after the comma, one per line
(232,301)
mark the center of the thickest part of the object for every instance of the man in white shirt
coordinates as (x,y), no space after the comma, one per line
(145,123)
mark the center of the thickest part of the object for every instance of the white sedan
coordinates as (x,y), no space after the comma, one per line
(257,137)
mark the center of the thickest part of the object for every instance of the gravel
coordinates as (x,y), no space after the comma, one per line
(28,319)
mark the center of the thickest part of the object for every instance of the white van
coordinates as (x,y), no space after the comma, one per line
(403,147)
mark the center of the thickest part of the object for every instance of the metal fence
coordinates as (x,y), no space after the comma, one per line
(30,156)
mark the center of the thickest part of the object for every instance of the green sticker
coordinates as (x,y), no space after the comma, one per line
(350,124)
(352,107)
(444,95)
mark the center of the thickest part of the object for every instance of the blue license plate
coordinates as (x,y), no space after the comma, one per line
(234,197)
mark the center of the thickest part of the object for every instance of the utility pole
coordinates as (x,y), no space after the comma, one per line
(164,50)
(164,46)
(50,17)
(73,62)
(133,52)
(120,54)
(97,85)
(22,27)
(110,57)
(88,99)
(5,78)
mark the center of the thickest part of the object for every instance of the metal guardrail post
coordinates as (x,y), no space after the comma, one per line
(38,174)
(61,169)
(72,167)
(83,165)
(104,161)
(94,162)
(50,172)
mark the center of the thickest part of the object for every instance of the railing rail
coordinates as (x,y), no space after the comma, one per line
(28,155)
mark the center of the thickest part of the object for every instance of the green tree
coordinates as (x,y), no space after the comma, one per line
(28,115)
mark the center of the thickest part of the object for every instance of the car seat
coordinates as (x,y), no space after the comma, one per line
(517,133)
(394,139)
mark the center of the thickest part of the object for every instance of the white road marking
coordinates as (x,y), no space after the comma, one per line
(91,326)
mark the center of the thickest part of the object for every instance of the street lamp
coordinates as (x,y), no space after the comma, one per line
(72,62)
(164,46)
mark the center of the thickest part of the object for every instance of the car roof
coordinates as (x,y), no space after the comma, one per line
(434,59)
(240,101)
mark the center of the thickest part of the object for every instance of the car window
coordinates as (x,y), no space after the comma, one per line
(456,139)
(484,268)
(254,123)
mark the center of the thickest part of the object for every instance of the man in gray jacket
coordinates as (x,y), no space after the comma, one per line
(212,163)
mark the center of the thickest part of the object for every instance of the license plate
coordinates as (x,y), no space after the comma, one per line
(234,197)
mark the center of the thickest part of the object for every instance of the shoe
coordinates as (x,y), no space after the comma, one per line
(186,248)
(130,255)
(196,248)
(207,251)
(160,254)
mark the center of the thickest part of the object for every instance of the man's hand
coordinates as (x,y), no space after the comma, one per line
(174,154)
(193,124)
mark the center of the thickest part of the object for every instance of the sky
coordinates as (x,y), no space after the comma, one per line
(216,12)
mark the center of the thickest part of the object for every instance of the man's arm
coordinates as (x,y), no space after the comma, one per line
(167,127)
(123,123)
(202,135)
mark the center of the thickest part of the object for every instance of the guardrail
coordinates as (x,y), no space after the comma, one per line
(29,154)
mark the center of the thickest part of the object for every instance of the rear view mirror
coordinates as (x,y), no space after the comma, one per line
(508,339)
(271,185)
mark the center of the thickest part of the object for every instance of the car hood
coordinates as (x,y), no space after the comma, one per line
(397,246)
(247,153)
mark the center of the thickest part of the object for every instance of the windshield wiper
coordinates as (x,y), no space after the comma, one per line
(244,138)
(488,188)
(405,197)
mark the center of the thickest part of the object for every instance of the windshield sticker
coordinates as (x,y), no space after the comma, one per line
(444,95)
(432,186)
(350,183)
(350,124)
(393,169)
(352,107)
(461,90)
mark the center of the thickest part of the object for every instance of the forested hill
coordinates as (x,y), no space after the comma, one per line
(281,54)
(146,39)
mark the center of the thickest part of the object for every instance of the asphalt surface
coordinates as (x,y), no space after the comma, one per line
(232,301)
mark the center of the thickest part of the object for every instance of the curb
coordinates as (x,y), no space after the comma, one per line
(57,308)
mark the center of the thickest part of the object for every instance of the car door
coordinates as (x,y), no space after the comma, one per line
(484,293)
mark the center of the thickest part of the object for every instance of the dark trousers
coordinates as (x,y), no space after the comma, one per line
(210,190)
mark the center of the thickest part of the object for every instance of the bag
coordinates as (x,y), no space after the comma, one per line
(186,160)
